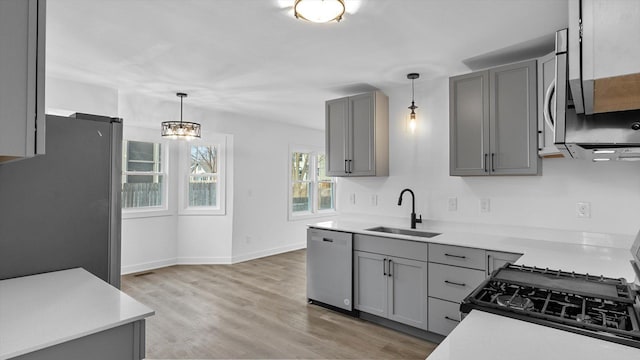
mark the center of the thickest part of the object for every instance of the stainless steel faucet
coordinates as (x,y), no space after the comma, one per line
(414,221)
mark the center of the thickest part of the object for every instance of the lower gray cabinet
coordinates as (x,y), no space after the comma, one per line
(391,287)
(443,316)
(125,342)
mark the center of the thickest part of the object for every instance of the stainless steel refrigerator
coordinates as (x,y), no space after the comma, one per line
(62,209)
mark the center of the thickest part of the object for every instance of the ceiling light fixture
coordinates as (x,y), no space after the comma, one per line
(319,11)
(413,107)
(180,129)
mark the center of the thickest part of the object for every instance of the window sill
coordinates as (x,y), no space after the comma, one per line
(202,212)
(145,213)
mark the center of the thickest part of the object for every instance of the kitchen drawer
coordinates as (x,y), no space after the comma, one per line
(451,282)
(458,256)
(389,246)
(443,316)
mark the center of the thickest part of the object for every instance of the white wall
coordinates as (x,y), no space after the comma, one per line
(260,195)
(255,222)
(421,161)
(64,97)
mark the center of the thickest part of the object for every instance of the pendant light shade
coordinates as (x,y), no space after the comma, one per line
(180,129)
(319,11)
(413,107)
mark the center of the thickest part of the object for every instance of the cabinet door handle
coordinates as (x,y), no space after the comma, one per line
(455,283)
(455,256)
(489,264)
(345,167)
(493,162)
(451,319)
(384,267)
(350,169)
(485,163)
(389,273)
(327,239)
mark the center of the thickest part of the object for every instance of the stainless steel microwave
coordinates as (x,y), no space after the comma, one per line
(613,135)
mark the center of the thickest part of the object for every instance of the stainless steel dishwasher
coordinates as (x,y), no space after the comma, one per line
(329,268)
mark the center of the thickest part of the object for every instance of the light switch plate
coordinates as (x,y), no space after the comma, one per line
(453,204)
(485,205)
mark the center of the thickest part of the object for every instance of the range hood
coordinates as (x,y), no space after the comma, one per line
(597,98)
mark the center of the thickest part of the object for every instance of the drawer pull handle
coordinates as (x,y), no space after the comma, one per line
(455,283)
(451,319)
(455,256)
(327,239)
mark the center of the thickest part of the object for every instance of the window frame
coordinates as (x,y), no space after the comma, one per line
(162,210)
(315,212)
(220,142)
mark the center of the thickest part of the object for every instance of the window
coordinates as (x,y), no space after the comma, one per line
(312,192)
(143,176)
(203,177)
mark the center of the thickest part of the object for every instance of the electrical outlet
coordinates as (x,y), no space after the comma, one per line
(453,204)
(583,209)
(485,205)
(374,200)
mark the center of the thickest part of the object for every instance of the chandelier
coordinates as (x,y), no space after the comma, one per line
(180,129)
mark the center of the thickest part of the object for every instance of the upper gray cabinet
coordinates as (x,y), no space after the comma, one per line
(357,135)
(22,74)
(493,121)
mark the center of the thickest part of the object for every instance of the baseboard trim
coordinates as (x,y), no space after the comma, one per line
(204,260)
(130,269)
(268,252)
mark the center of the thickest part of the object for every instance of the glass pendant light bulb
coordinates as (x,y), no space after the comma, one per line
(412,122)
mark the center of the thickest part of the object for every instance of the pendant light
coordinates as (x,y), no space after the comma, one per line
(319,11)
(413,107)
(180,129)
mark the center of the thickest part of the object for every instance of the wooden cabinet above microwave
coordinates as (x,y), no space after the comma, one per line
(604,66)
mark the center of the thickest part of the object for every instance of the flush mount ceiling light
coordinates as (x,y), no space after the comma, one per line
(319,11)
(180,129)
(413,107)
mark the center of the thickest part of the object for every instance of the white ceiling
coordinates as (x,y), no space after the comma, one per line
(254,57)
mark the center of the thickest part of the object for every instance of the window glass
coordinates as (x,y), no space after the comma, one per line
(203,177)
(143,179)
(311,189)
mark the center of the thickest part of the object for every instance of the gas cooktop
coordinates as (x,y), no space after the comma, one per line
(596,306)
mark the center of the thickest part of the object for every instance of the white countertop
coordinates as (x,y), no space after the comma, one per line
(47,309)
(595,254)
(485,336)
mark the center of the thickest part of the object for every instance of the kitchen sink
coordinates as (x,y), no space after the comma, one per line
(389,230)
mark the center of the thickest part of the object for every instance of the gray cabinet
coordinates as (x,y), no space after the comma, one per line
(391,287)
(390,279)
(123,342)
(370,283)
(22,65)
(454,272)
(493,123)
(357,135)
(496,259)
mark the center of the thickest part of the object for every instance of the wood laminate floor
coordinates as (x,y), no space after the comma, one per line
(255,310)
